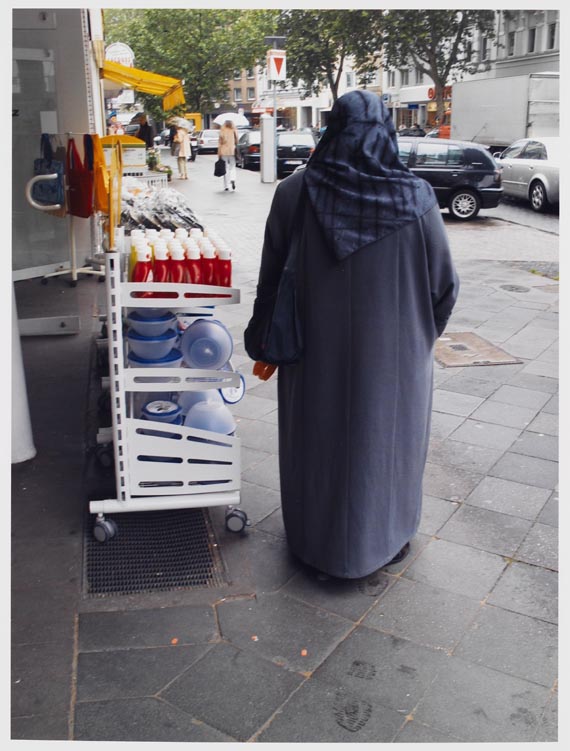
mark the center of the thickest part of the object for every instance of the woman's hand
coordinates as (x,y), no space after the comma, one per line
(263,370)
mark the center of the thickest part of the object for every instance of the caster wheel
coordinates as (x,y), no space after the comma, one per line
(72,283)
(101,279)
(104,530)
(236,520)
(105,457)
(44,281)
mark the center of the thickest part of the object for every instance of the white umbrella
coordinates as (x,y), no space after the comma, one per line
(180,122)
(236,119)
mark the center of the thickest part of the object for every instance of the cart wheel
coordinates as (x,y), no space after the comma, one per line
(72,283)
(105,457)
(104,530)
(236,520)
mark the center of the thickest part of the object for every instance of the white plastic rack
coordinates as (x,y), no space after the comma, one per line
(160,466)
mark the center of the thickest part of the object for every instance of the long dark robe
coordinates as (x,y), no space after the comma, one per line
(354,414)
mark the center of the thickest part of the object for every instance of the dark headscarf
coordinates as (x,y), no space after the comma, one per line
(358,187)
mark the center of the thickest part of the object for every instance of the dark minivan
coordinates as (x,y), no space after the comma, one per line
(464,175)
(294,147)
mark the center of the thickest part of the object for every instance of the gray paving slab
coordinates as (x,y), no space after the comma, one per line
(435,512)
(282,629)
(486,530)
(424,614)
(526,469)
(485,434)
(450,483)
(42,615)
(257,435)
(273,524)
(528,590)
(530,342)
(442,425)
(457,568)
(540,547)
(266,473)
(382,668)
(322,713)
(258,502)
(130,673)
(123,629)
(512,643)
(509,415)
(547,731)
(466,383)
(50,727)
(271,417)
(539,445)
(546,423)
(549,513)
(56,561)
(253,407)
(535,382)
(552,406)
(349,598)
(541,368)
(250,458)
(520,397)
(417,544)
(40,679)
(232,690)
(468,456)
(455,403)
(143,720)
(478,704)
(417,732)
(509,497)
(496,373)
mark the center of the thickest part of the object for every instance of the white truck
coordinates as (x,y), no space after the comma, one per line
(498,111)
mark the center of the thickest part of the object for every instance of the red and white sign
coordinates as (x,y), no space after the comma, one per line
(276,65)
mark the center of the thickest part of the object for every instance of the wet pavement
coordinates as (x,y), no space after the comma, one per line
(457,643)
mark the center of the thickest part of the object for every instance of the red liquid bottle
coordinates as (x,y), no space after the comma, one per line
(193,263)
(161,267)
(224,268)
(208,263)
(142,271)
(178,271)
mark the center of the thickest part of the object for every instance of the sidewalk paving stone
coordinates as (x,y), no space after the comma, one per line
(535,382)
(457,568)
(285,628)
(266,473)
(478,704)
(508,415)
(526,469)
(541,368)
(455,403)
(258,502)
(140,720)
(435,512)
(485,434)
(323,713)
(548,724)
(528,590)
(467,384)
(468,456)
(538,445)
(273,524)
(540,547)
(42,615)
(361,663)
(509,497)
(520,397)
(40,683)
(122,629)
(131,673)
(449,483)
(417,732)
(257,435)
(443,424)
(512,643)
(552,407)
(549,513)
(232,690)
(424,614)
(545,422)
(485,530)
(49,727)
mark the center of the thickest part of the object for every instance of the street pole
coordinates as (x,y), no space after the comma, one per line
(275,123)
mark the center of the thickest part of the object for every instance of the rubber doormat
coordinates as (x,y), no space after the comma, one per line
(152,551)
(460,350)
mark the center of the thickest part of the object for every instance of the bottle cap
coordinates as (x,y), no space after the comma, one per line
(192,251)
(196,232)
(176,251)
(180,232)
(224,254)
(143,254)
(160,250)
(166,233)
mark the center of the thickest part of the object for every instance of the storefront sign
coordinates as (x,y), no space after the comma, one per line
(118,52)
(446,92)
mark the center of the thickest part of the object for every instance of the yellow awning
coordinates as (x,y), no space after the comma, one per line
(170,89)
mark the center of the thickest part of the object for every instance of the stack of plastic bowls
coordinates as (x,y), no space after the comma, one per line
(206,344)
(187,399)
(212,416)
(151,347)
(162,411)
(152,338)
(150,321)
(172,360)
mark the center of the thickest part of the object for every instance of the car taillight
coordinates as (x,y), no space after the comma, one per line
(497,175)
(253,150)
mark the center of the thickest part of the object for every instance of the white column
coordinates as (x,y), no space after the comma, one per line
(22,440)
(267,149)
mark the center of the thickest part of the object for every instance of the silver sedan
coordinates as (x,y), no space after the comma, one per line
(530,170)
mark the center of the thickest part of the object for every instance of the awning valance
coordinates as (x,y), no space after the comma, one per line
(170,89)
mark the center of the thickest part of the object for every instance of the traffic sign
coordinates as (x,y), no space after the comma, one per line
(276,65)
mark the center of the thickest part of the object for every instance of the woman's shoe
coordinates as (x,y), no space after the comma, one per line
(226,188)
(401,555)
(233,185)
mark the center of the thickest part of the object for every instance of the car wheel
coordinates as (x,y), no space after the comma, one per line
(464,204)
(537,196)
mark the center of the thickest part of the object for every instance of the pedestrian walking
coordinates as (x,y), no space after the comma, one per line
(182,139)
(227,145)
(375,286)
(146,132)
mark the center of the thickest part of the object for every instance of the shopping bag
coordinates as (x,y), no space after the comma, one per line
(100,177)
(48,192)
(79,181)
(219,168)
(274,333)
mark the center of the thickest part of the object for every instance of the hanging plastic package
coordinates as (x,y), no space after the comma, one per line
(100,177)
(48,192)
(80,179)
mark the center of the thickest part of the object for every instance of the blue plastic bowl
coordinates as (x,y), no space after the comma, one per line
(207,344)
(187,399)
(162,411)
(151,347)
(213,416)
(172,360)
(153,326)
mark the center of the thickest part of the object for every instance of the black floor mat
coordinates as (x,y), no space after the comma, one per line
(152,551)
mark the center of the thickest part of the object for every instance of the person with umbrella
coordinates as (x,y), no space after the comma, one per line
(227,145)
(182,139)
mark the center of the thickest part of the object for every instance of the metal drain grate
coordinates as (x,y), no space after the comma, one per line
(153,551)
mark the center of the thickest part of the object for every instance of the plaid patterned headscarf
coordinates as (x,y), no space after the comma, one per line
(358,187)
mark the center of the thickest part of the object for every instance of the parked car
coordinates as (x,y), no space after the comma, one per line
(193,146)
(208,141)
(248,149)
(531,168)
(418,132)
(165,136)
(464,175)
(294,147)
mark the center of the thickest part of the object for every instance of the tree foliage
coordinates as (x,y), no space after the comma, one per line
(201,46)
(318,43)
(435,41)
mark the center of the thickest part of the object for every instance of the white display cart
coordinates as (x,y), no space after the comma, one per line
(162,466)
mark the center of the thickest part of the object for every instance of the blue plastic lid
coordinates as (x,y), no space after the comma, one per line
(172,356)
(170,334)
(161,408)
(136,316)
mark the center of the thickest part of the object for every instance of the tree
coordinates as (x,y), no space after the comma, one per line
(320,41)
(201,46)
(435,41)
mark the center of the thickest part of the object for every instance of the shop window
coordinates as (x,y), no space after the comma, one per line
(250,93)
(531,40)
(404,77)
(237,95)
(511,43)
(551,36)
(250,73)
